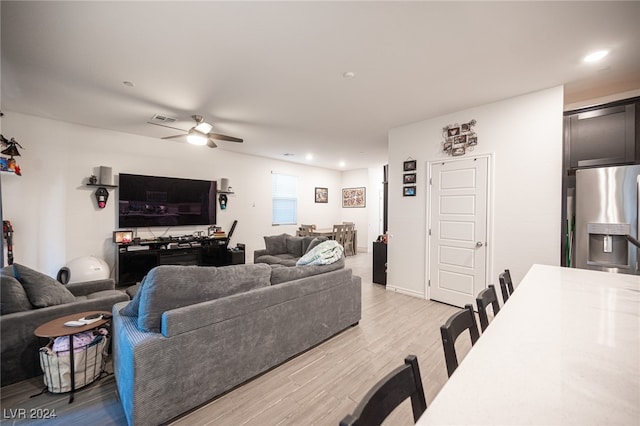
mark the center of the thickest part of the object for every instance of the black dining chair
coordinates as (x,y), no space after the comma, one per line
(454,327)
(402,383)
(506,285)
(487,297)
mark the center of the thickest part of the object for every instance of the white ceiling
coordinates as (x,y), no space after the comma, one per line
(272,72)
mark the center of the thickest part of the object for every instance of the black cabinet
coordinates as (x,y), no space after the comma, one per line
(601,136)
(133,265)
(380,263)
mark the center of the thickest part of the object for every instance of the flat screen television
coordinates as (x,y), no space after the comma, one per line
(165,201)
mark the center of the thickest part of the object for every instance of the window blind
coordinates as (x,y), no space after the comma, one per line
(285,199)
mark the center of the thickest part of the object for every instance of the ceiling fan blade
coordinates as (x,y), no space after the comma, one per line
(183,137)
(224,137)
(168,127)
(211,143)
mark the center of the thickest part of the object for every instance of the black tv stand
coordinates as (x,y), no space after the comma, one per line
(135,261)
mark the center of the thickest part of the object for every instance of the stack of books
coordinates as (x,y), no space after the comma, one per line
(219,234)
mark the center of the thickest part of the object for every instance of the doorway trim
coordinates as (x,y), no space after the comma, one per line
(489,224)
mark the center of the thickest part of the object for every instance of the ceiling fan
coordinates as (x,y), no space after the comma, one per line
(200,134)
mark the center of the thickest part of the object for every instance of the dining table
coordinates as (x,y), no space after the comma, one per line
(563,350)
(328,232)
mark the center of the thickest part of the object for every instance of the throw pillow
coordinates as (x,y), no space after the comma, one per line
(42,290)
(13,298)
(276,244)
(294,246)
(314,243)
(131,310)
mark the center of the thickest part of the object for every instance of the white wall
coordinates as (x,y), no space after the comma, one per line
(524,136)
(56,219)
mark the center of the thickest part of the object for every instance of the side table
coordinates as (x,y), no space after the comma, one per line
(56,328)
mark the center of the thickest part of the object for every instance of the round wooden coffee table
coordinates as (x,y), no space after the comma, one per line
(56,328)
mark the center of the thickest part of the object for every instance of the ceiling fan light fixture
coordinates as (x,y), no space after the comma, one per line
(196,138)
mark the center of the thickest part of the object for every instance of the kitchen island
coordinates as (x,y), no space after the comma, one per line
(565,349)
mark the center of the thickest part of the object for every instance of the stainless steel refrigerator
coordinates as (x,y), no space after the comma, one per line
(606,212)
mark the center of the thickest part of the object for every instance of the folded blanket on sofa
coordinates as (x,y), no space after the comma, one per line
(323,254)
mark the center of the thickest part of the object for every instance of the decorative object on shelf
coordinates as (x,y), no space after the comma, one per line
(459,138)
(410,165)
(105,181)
(409,191)
(354,197)
(322,195)
(102,195)
(11,149)
(222,198)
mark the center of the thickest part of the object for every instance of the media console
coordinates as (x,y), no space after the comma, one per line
(135,261)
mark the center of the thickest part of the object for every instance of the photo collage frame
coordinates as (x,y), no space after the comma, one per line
(459,138)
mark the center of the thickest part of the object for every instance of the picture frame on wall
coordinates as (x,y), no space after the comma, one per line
(354,197)
(322,195)
(409,191)
(409,165)
(408,178)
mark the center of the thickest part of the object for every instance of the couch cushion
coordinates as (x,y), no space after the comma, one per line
(281,259)
(42,290)
(170,286)
(13,298)
(281,275)
(276,244)
(294,246)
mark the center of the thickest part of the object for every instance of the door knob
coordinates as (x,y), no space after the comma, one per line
(478,244)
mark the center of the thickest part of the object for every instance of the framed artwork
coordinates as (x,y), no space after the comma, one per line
(409,178)
(409,191)
(322,195)
(122,237)
(354,197)
(409,165)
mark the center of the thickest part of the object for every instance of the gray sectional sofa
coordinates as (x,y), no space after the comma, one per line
(192,333)
(285,249)
(28,300)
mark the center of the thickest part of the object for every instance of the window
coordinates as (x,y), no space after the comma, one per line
(285,199)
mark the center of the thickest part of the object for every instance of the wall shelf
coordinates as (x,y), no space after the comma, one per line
(99,185)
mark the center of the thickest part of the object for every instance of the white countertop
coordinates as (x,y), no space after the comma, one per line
(564,350)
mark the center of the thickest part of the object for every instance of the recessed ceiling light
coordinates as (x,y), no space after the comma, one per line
(309,157)
(128,83)
(596,56)
(342,164)
(349,75)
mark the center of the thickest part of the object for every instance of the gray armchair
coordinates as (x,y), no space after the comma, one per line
(20,315)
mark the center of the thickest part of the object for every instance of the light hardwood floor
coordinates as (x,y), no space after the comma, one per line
(318,387)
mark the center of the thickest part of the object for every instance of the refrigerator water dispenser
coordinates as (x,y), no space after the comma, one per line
(608,245)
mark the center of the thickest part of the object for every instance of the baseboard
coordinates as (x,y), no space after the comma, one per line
(406,292)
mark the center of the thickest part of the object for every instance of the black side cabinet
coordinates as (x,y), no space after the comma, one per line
(380,263)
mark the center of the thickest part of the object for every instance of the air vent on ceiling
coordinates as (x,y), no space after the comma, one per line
(159,118)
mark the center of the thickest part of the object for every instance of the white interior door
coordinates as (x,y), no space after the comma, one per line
(458,230)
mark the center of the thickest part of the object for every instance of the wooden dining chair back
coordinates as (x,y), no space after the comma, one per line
(454,327)
(506,285)
(344,235)
(402,383)
(487,297)
(305,230)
